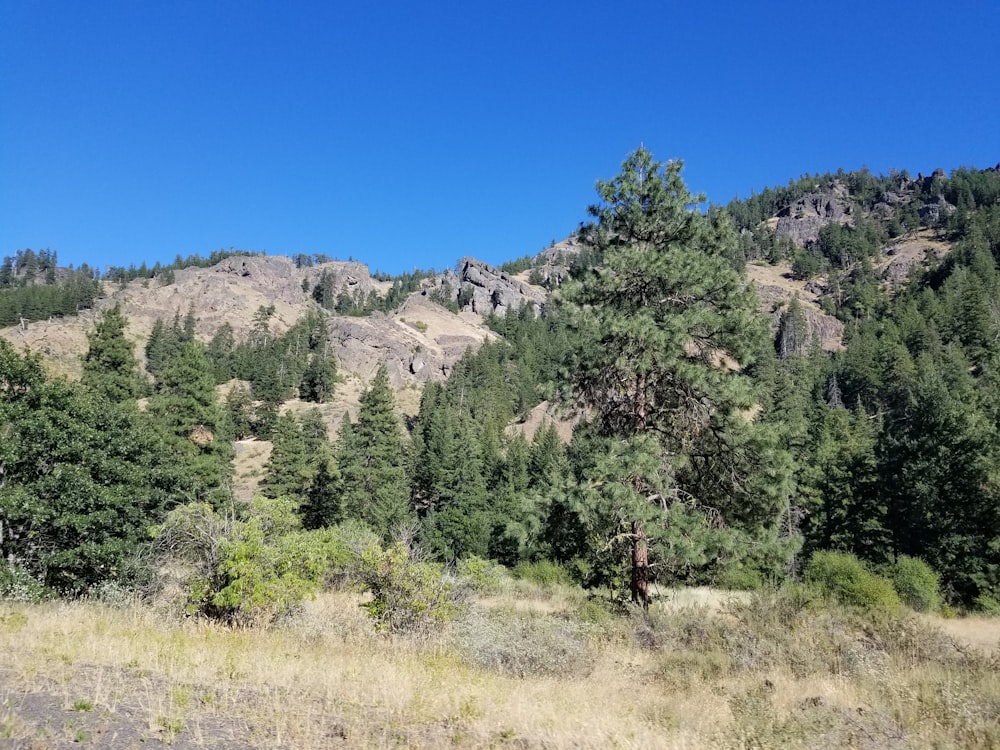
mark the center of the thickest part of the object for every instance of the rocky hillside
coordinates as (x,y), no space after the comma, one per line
(420,340)
(423,337)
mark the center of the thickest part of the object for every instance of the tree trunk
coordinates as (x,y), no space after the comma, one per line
(640,567)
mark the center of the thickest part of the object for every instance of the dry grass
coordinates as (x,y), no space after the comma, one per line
(85,673)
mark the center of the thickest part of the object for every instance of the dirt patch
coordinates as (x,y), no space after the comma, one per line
(911,252)
(545,413)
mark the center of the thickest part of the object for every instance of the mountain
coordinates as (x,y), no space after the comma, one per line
(419,340)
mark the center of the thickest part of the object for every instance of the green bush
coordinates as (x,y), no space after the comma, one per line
(482,576)
(407,595)
(18,585)
(739,578)
(250,570)
(987,605)
(544,573)
(845,578)
(916,583)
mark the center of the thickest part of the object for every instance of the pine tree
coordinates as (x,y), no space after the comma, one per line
(323,506)
(663,331)
(185,407)
(319,379)
(109,366)
(314,431)
(287,471)
(371,458)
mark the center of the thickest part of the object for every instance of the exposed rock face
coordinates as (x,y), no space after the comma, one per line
(493,290)
(555,261)
(802,220)
(419,342)
(936,209)
(827,330)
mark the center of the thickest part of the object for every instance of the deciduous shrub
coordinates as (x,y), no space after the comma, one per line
(543,573)
(916,583)
(252,569)
(17,584)
(482,576)
(407,594)
(845,578)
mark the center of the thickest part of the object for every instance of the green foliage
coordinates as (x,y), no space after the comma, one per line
(322,506)
(371,457)
(407,595)
(252,568)
(109,366)
(82,479)
(916,583)
(184,406)
(483,576)
(19,585)
(288,471)
(517,266)
(675,461)
(845,578)
(123,275)
(357,304)
(319,379)
(543,573)
(31,290)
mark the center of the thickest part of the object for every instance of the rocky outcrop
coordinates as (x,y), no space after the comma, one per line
(554,262)
(824,329)
(486,289)
(802,220)
(935,210)
(419,342)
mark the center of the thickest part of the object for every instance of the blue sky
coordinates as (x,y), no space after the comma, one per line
(410,134)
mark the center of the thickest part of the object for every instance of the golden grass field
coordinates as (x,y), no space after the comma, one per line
(524,668)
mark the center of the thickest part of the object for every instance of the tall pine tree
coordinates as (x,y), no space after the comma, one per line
(663,330)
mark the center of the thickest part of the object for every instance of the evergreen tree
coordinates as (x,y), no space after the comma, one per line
(109,366)
(663,330)
(319,379)
(322,506)
(287,471)
(221,353)
(239,413)
(82,481)
(313,431)
(184,405)
(371,458)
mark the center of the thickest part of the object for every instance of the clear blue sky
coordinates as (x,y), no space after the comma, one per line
(413,133)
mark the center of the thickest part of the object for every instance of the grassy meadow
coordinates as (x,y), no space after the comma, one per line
(524,667)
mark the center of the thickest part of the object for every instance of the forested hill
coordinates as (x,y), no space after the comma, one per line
(850,404)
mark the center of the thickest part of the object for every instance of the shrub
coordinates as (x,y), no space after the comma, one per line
(916,583)
(18,585)
(407,595)
(987,605)
(250,570)
(739,578)
(544,573)
(482,576)
(845,578)
(524,645)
